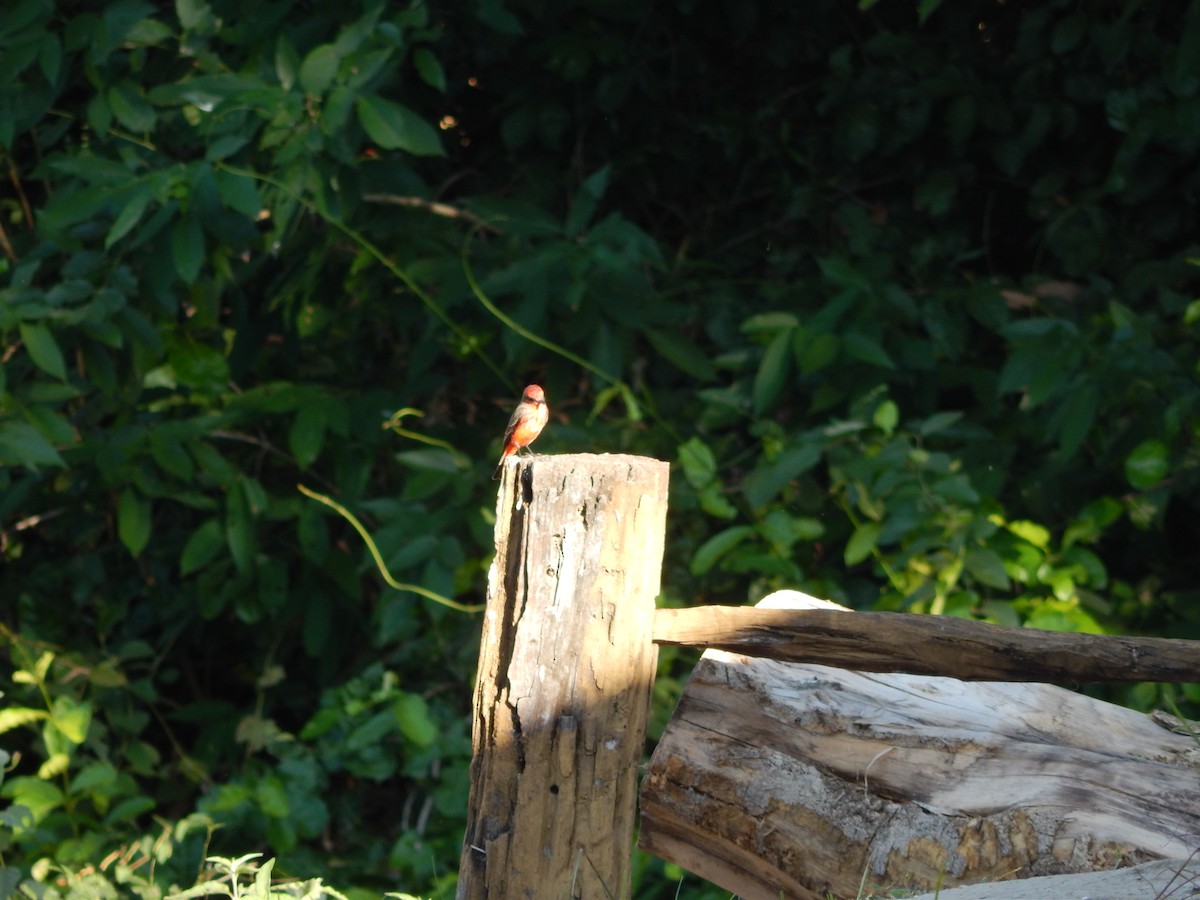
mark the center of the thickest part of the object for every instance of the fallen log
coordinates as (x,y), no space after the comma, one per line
(780,778)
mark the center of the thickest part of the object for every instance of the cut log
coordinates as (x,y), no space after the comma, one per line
(780,778)
(565,673)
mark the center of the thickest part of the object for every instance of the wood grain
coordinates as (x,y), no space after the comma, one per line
(777,778)
(565,674)
(928,645)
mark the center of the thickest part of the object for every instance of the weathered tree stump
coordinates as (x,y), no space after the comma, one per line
(565,673)
(788,779)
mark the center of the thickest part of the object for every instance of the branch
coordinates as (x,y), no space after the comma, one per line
(928,645)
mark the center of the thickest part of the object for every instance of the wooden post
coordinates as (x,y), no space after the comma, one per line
(566,668)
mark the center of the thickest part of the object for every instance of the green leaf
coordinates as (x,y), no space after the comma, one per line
(202,547)
(699,464)
(986,567)
(134,521)
(287,62)
(198,366)
(926,8)
(38,796)
(130,215)
(307,433)
(861,543)
(937,422)
(818,353)
(682,354)
(130,108)
(168,452)
(238,193)
(413,719)
(431,459)
(271,797)
(714,502)
(1076,418)
(1032,532)
(239,529)
(72,718)
(129,809)
(396,127)
(710,552)
(868,350)
(429,69)
(187,248)
(764,484)
(770,322)
(773,373)
(21,444)
(16,716)
(886,417)
(1147,464)
(319,69)
(43,349)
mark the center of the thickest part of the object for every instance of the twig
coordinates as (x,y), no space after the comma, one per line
(438,209)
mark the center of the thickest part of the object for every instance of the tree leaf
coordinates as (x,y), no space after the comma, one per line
(134,521)
(187,248)
(699,464)
(239,529)
(307,433)
(396,127)
(23,445)
(412,718)
(773,372)
(682,354)
(867,350)
(429,68)
(1147,464)
(986,567)
(43,349)
(886,417)
(861,543)
(764,484)
(1076,417)
(129,216)
(202,547)
(319,69)
(710,552)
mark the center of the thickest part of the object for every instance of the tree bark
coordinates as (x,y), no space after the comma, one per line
(777,777)
(565,674)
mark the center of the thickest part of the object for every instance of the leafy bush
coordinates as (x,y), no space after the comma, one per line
(912,307)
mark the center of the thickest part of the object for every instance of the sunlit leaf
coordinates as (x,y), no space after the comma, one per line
(861,543)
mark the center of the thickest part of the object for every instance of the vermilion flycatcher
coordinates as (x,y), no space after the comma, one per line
(527,422)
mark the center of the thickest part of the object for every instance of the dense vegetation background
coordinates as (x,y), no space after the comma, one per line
(906,294)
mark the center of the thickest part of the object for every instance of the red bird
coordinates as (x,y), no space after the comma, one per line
(527,422)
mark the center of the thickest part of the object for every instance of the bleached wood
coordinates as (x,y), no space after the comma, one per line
(928,645)
(565,674)
(780,777)
(1160,880)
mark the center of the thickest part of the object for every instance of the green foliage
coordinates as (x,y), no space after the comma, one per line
(912,307)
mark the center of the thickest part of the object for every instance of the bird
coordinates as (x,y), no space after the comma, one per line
(526,423)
